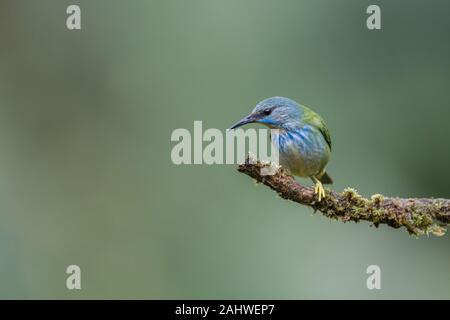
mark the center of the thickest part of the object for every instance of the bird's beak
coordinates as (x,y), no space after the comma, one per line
(248,119)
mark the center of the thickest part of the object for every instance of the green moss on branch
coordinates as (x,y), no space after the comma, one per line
(418,216)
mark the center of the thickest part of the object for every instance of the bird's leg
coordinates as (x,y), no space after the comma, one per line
(318,189)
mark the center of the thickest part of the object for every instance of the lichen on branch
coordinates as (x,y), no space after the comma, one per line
(418,215)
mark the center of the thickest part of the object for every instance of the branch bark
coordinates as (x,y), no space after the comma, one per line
(418,215)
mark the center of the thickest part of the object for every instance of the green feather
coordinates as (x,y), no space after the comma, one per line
(312,118)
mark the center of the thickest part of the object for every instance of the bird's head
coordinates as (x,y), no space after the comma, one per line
(275,112)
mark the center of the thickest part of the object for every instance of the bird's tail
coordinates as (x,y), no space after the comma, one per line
(326,179)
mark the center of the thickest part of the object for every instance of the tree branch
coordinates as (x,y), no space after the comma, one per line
(418,215)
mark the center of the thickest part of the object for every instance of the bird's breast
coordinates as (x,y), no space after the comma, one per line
(303,151)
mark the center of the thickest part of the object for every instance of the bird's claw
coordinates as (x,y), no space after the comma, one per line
(319,190)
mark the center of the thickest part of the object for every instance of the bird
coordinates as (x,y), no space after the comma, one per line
(303,139)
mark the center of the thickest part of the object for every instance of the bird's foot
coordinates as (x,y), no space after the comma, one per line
(319,190)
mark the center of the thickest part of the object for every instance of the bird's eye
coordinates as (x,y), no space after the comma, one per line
(267,111)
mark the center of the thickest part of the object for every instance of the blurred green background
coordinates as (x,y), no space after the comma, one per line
(85,122)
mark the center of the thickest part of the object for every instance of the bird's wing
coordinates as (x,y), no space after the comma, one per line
(326,134)
(314,119)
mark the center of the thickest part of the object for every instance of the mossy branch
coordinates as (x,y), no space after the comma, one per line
(418,215)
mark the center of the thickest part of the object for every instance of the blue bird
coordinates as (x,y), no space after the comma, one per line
(303,140)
